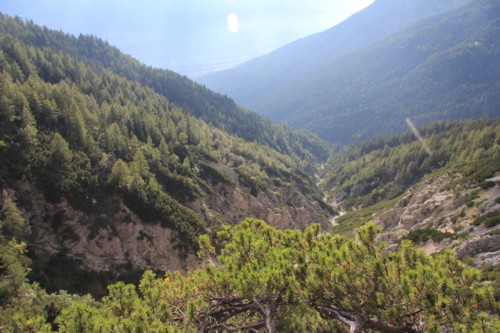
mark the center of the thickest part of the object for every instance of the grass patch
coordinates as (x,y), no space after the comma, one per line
(354,219)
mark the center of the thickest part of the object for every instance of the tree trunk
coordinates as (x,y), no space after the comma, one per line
(269,321)
(356,327)
(357,324)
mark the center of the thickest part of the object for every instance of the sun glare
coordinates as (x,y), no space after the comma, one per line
(358,4)
(233,23)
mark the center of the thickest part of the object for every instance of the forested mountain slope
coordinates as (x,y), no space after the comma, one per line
(257,83)
(446,66)
(441,192)
(443,67)
(215,109)
(114,177)
(444,189)
(258,278)
(383,168)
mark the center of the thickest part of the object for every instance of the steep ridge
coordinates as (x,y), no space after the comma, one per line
(215,109)
(257,83)
(115,178)
(443,67)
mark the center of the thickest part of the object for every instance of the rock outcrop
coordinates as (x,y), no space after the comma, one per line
(113,235)
(441,203)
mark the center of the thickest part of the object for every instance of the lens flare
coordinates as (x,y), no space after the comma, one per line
(415,131)
(233,23)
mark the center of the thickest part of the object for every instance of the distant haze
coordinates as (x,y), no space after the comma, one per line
(192,37)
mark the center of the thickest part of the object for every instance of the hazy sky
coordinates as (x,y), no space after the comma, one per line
(189,36)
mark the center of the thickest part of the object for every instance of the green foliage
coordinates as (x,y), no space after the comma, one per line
(86,128)
(13,270)
(258,278)
(12,224)
(13,261)
(471,197)
(24,307)
(428,233)
(255,284)
(478,170)
(120,174)
(351,220)
(491,274)
(383,168)
(93,126)
(75,57)
(262,279)
(489,220)
(35,311)
(126,310)
(355,282)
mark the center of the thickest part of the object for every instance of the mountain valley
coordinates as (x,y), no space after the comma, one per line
(135,199)
(87,148)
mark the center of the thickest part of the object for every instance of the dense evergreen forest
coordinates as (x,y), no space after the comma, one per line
(88,130)
(81,131)
(110,147)
(214,109)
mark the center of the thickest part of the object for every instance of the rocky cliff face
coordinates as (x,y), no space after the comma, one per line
(114,236)
(465,218)
(281,207)
(111,237)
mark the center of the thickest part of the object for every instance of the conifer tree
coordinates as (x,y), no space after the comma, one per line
(361,284)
